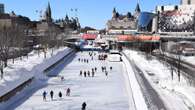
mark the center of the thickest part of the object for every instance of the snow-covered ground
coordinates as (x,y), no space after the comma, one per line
(188,59)
(22,70)
(100,92)
(175,95)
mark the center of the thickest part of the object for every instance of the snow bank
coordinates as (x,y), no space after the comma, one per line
(137,94)
(23,70)
(180,94)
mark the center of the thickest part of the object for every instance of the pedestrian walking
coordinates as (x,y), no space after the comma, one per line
(68,92)
(51,94)
(84,106)
(44,95)
(60,94)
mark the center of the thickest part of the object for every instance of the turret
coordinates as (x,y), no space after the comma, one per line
(114,13)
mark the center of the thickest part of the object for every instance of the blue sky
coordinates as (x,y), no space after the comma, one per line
(93,13)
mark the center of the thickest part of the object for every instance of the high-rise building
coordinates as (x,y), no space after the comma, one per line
(187,2)
(2,8)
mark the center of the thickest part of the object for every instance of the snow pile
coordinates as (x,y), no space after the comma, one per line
(180,94)
(25,69)
(136,90)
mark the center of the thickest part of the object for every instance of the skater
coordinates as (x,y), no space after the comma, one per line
(81,73)
(1,70)
(85,74)
(68,92)
(93,73)
(110,67)
(106,73)
(79,59)
(62,78)
(44,95)
(51,94)
(95,69)
(84,106)
(88,73)
(60,94)
(102,69)
(87,61)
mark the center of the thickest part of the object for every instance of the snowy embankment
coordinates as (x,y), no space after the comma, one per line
(25,69)
(188,59)
(134,86)
(175,95)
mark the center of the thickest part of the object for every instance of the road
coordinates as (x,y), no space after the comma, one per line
(100,92)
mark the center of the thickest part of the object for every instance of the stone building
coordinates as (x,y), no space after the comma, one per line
(12,20)
(124,22)
(187,2)
(68,24)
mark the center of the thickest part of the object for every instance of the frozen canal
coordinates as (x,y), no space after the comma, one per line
(100,92)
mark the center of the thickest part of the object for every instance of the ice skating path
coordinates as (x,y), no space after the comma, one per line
(99,92)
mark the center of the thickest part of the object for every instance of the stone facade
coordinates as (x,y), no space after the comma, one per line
(187,2)
(124,22)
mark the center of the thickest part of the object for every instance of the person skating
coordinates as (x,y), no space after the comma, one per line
(106,73)
(93,73)
(81,73)
(62,78)
(102,69)
(60,94)
(87,60)
(110,67)
(79,59)
(88,73)
(85,74)
(68,92)
(44,95)
(51,94)
(95,69)
(84,106)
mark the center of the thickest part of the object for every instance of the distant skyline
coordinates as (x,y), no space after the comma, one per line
(92,13)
